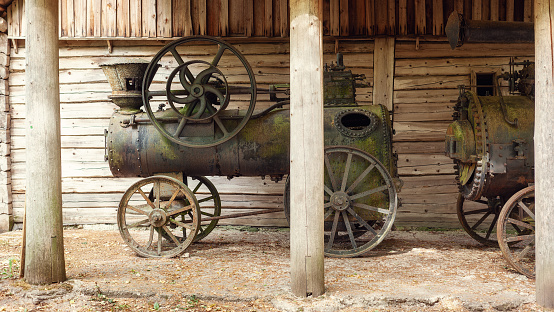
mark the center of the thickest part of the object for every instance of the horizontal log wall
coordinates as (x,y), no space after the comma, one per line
(427,76)
(90,193)
(268,18)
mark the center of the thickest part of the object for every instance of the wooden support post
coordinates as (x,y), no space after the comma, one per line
(44,255)
(6,209)
(306,141)
(383,72)
(544,151)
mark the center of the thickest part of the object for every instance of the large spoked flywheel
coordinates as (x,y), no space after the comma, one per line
(360,202)
(191,81)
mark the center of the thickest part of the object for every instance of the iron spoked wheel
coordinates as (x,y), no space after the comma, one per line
(192,75)
(360,202)
(478,218)
(516,231)
(172,212)
(209,204)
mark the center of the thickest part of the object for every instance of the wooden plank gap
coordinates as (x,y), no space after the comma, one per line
(224,18)
(438,19)
(268,18)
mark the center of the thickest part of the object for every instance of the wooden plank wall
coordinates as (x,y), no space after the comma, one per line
(268,18)
(427,76)
(90,193)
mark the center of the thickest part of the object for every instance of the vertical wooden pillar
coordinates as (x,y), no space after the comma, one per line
(44,253)
(383,72)
(544,151)
(6,209)
(306,141)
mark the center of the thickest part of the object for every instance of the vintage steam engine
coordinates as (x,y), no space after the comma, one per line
(198,95)
(491,143)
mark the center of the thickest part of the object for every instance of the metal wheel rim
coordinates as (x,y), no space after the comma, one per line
(152,69)
(357,244)
(519,248)
(206,228)
(136,240)
(488,239)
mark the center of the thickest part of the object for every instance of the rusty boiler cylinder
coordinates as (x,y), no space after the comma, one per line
(137,149)
(491,142)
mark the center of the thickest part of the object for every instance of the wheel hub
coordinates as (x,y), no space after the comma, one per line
(157,217)
(340,201)
(197,90)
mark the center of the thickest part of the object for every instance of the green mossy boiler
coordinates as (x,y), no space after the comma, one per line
(198,96)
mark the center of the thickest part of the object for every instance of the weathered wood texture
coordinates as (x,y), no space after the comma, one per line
(90,193)
(6,210)
(268,18)
(306,153)
(425,86)
(544,152)
(426,83)
(44,248)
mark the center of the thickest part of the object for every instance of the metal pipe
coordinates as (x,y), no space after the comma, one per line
(460,30)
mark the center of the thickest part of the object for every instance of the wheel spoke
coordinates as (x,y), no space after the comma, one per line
(480,220)
(174,212)
(327,205)
(148,201)
(220,125)
(491,228)
(327,190)
(205,199)
(172,199)
(150,238)
(173,238)
(520,255)
(181,224)
(218,55)
(349,230)
(520,238)
(185,72)
(159,242)
(157,193)
(478,211)
(197,187)
(330,173)
(521,223)
(360,178)
(180,128)
(136,210)
(526,209)
(204,76)
(333,231)
(135,224)
(176,55)
(217,93)
(372,208)
(181,100)
(207,214)
(328,213)
(369,192)
(346,172)
(362,221)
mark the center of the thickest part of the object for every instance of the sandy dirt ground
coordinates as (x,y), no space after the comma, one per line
(247,269)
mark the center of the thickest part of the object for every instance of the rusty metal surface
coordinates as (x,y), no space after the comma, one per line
(460,30)
(261,148)
(125,78)
(501,154)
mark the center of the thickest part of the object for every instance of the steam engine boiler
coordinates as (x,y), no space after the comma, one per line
(190,113)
